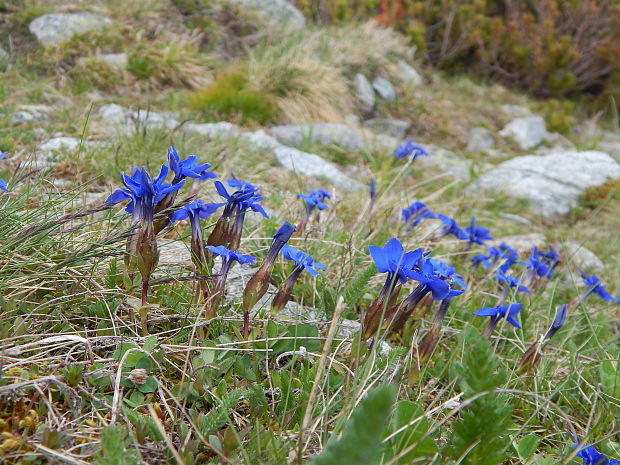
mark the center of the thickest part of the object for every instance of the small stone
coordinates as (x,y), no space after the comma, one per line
(365,92)
(408,73)
(385,89)
(479,139)
(117,61)
(320,133)
(55,28)
(581,257)
(527,132)
(392,127)
(310,164)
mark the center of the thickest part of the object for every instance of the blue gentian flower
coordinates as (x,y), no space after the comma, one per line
(428,276)
(243,199)
(477,234)
(188,168)
(302,260)
(415,213)
(196,209)
(241,185)
(451,227)
(508,311)
(393,260)
(560,316)
(373,190)
(511,281)
(591,456)
(494,254)
(231,255)
(409,149)
(313,200)
(550,258)
(594,286)
(2,182)
(143,193)
(537,265)
(448,272)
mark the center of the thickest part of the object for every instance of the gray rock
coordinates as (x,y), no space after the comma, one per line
(515,110)
(58,144)
(479,139)
(527,132)
(113,113)
(365,92)
(278,11)
(551,183)
(310,164)
(221,130)
(260,140)
(392,127)
(25,116)
(581,257)
(446,161)
(520,242)
(610,143)
(55,28)
(117,61)
(408,73)
(320,133)
(128,121)
(384,88)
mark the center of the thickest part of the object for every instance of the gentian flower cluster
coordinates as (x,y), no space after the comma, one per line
(229,227)
(410,150)
(477,234)
(452,228)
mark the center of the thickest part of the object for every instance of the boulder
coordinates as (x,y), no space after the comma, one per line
(515,110)
(321,133)
(260,140)
(310,164)
(221,130)
(392,127)
(479,139)
(128,121)
(117,61)
(384,88)
(408,73)
(55,28)
(551,183)
(365,92)
(278,11)
(581,257)
(527,132)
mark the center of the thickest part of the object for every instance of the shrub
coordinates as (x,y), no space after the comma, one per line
(552,48)
(231,97)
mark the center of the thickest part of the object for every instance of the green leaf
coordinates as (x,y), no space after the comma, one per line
(132,358)
(116,448)
(149,343)
(527,446)
(145,363)
(610,377)
(363,433)
(150,385)
(411,434)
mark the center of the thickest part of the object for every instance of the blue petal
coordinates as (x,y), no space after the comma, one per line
(380,258)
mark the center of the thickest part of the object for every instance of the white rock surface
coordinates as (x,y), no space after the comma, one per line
(392,127)
(128,121)
(581,257)
(479,139)
(55,28)
(408,73)
(117,61)
(551,183)
(221,130)
(278,11)
(320,133)
(384,88)
(310,164)
(260,140)
(364,90)
(527,132)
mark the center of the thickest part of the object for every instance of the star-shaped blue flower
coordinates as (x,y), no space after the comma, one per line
(591,456)
(302,260)
(245,200)
(231,255)
(188,168)
(508,311)
(409,149)
(393,260)
(539,265)
(511,281)
(477,234)
(594,285)
(451,227)
(196,209)
(415,213)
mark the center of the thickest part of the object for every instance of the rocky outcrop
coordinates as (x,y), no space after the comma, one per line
(55,28)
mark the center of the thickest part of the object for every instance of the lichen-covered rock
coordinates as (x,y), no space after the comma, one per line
(55,28)
(278,11)
(479,139)
(527,132)
(365,92)
(384,88)
(551,183)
